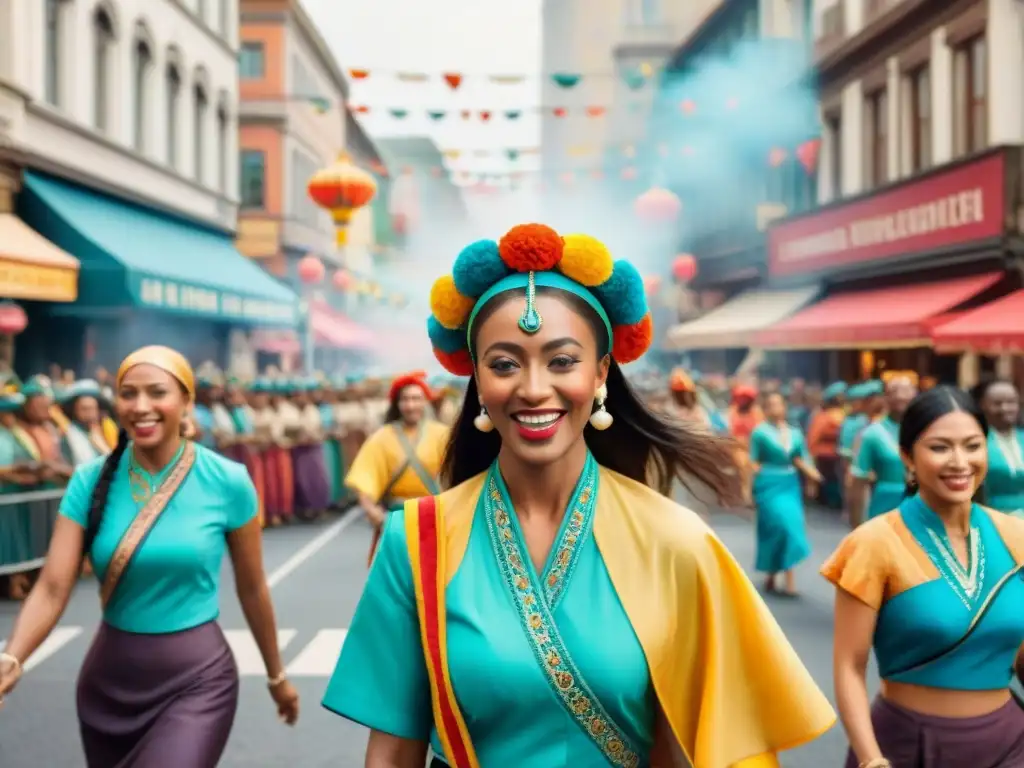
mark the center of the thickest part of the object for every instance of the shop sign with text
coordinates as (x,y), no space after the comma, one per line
(957,206)
(39,282)
(212,303)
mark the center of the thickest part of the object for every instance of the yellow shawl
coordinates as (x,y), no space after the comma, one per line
(730,685)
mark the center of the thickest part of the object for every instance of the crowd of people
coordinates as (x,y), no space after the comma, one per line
(543,597)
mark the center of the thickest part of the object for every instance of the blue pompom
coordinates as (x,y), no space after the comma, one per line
(477,268)
(622,295)
(445,339)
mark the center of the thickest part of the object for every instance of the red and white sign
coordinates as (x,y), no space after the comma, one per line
(953,207)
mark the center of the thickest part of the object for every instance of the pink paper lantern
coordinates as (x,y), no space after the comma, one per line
(684,268)
(658,205)
(311,270)
(13,319)
(342,281)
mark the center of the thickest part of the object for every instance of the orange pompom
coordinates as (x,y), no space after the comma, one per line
(456,363)
(531,248)
(630,342)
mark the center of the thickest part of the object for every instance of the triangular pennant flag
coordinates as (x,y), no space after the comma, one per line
(362,109)
(399,114)
(512,114)
(359,74)
(436,115)
(453,79)
(320,104)
(807,154)
(512,154)
(412,77)
(485,116)
(506,79)
(559,112)
(466,114)
(566,79)
(634,79)
(595,111)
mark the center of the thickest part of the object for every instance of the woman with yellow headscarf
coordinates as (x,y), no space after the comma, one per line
(159,687)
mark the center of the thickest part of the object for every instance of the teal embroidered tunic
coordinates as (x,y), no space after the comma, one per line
(1004,483)
(173,581)
(848,431)
(514,713)
(879,456)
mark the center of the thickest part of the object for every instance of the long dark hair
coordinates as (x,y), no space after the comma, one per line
(927,408)
(100,492)
(639,444)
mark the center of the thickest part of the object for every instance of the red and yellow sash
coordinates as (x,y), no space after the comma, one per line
(424,527)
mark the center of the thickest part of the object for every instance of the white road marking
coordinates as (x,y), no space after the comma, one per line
(311,548)
(319,658)
(60,637)
(247,653)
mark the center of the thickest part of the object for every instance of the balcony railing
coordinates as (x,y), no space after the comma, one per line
(833,30)
(874,9)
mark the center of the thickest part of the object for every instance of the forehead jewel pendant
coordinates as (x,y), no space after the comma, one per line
(530,321)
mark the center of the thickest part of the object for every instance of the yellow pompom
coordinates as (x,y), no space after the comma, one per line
(450,308)
(585,260)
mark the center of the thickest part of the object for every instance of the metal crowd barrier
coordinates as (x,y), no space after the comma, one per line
(26,525)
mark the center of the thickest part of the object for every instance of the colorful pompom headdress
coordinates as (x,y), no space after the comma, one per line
(528,257)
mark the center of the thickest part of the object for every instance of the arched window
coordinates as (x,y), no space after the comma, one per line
(199,115)
(222,149)
(141,67)
(103,45)
(173,117)
(52,51)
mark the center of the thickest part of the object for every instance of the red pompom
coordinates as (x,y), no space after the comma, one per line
(629,342)
(456,363)
(531,248)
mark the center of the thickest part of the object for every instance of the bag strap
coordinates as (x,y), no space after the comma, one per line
(425,538)
(970,629)
(144,522)
(412,460)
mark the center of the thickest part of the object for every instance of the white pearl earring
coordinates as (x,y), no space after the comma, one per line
(601,419)
(483,421)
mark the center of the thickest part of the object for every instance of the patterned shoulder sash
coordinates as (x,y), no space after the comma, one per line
(424,528)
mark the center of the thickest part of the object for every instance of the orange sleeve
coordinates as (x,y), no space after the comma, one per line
(860,564)
(814,433)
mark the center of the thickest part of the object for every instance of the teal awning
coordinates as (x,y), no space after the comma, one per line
(136,256)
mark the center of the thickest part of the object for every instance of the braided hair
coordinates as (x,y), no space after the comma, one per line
(100,492)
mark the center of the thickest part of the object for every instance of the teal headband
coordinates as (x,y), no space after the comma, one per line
(531,321)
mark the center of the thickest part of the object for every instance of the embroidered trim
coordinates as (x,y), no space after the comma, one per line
(563,565)
(538,622)
(965,582)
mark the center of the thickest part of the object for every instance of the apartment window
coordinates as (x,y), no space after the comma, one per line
(201,106)
(141,68)
(52,51)
(103,43)
(876,115)
(920,113)
(222,149)
(251,61)
(970,92)
(835,157)
(254,178)
(173,114)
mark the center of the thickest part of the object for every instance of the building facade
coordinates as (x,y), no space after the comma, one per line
(119,125)
(920,185)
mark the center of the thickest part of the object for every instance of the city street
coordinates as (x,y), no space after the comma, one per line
(316,573)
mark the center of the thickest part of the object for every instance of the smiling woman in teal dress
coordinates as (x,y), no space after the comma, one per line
(935,588)
(550,609)
(1004,484)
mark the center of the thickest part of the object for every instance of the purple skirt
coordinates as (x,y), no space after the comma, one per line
(157,701)
(912,740)
(312,486)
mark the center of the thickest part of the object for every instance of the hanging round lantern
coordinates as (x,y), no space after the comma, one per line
(13,319)
(342,188)
(342,281)
(651,284)
(684,268)
(658,205)
(311,270)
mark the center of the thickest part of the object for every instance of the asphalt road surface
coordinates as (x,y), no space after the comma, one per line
(316,573)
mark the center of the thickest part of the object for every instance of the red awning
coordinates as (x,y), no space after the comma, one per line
(277,342)
(897,316)
(333,329)
(993,328)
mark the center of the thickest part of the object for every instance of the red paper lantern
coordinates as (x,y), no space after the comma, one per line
(342,281)
(13,319)
(684,268)
(341,189)
(658,205)
(651,284)
(311,270)
(807,154)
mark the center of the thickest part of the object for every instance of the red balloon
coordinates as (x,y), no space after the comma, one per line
(311,270)
(684,268)
(342,281)
(658,205)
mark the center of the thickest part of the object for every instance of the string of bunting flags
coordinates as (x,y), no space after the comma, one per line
(594,111)
(634,77)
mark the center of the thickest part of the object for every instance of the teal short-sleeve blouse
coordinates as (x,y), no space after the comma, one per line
(173,581)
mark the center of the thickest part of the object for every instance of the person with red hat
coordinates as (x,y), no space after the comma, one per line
(402,459)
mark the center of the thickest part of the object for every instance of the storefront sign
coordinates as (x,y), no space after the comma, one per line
(258,238)
(953,207)
(183,297)
(40,282)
